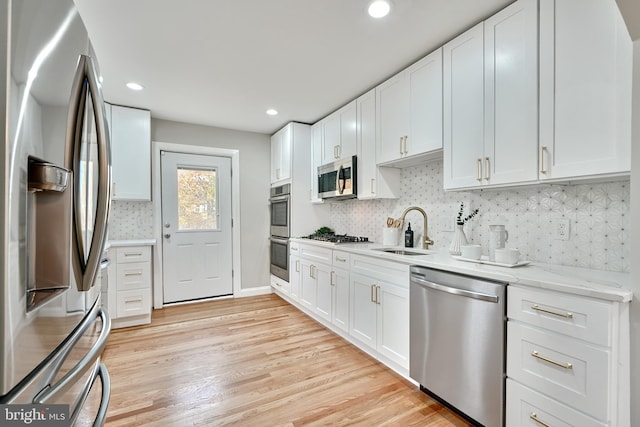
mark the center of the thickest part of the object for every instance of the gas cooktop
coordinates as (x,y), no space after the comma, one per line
(338,238)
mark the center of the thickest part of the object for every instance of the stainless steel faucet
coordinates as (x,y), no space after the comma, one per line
(426,241)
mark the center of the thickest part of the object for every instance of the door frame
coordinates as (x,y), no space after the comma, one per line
(234,155)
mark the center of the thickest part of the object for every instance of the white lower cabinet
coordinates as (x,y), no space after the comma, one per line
(129,287)
(567,364)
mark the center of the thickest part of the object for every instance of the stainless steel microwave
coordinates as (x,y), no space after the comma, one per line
(338,180)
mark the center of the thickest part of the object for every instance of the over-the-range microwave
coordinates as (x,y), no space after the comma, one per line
(338,180)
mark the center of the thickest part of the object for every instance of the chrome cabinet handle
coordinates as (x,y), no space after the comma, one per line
(86,261)
(373,180)
(331,278)
(543,153)
(373,290)
(133,273)
(341,259)
(537,355)
(479,170)
(297,266)
(133,254)
(554,313)
(535,418)
(487,171)
(378,294)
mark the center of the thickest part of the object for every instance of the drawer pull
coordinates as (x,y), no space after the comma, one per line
(128,300)
(537,355)
(341,259)
(565,315)
(135,273)
(133,254)
(535,418)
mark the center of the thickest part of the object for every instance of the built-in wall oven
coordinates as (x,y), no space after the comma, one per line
(280,203)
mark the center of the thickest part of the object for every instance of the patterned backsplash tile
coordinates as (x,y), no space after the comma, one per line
(130,220)
(598,214)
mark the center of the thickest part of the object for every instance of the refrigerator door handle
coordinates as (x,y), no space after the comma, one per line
(71,377)
(86,261)
(101,416)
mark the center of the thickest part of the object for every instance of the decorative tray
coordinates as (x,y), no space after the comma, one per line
(485,260)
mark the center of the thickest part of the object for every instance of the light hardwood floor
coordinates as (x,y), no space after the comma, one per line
(254,361)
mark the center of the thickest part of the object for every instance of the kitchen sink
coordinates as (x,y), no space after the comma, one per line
(400,251)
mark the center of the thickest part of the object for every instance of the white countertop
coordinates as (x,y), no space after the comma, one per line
(607,285)
(135,242)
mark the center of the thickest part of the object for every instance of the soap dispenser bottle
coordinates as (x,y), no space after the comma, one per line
(408,237)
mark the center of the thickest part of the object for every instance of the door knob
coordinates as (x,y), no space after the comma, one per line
(166,236)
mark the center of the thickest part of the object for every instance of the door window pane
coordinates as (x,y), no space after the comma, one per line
(197,199)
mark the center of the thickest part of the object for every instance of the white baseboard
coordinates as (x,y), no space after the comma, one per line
(251,292)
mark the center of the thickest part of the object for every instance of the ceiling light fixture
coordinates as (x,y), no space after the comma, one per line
(272,112)
(379,8)
(135,86)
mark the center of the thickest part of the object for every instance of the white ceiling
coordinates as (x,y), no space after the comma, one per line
(224,62)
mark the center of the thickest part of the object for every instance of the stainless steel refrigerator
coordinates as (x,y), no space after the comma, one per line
(54,204)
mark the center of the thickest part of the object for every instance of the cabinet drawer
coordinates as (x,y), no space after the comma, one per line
(135,275)
(579,317)
(133,254)
(379,269)
(571,371)
(341,259)
(316,254)
(526,407)
(133,303)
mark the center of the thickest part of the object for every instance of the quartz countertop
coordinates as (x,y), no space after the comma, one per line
(606,285)
(133,242)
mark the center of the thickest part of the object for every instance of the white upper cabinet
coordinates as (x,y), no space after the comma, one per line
(281,155)
(585,89)
(491,101)
(339,134)
(316,160)
(409,112)
(130,130)
(373,181)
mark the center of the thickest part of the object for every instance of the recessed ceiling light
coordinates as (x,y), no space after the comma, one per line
(135,86)
(272,112)
(379,8)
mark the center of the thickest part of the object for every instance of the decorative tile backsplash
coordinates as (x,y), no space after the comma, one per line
(130,220)
(598,214)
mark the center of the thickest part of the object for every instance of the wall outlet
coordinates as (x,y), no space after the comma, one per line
(563,229)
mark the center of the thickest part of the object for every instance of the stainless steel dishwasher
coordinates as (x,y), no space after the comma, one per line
(457,341)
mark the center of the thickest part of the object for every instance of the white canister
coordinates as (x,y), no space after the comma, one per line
(390,236)
(498,237)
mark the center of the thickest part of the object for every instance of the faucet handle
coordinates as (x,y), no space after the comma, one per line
(427,242)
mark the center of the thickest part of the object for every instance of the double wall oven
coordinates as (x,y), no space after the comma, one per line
(280,204)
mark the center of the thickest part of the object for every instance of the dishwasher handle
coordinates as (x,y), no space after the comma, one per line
(455,291)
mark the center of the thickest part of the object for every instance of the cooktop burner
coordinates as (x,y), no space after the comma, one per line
(338,238)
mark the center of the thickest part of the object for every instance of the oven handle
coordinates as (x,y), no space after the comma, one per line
(282,241)
(279,198)
(341,181)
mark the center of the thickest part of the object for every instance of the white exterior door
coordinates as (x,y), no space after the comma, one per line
(196,220)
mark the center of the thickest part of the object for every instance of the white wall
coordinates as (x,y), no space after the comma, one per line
(255,155)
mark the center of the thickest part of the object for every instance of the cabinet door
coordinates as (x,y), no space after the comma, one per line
(362,325)
(511,94)
(348,134)
(585,89)
(331,138)
(373,181)
(463,65)
(425,92)
(286,143)
(294,277)
(340,282)
(392,103)
(276,155)
(308,285)
(130,153)
(316,160)
(393,323)
(324,291)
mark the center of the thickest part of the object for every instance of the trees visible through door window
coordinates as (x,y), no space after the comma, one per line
(197,199)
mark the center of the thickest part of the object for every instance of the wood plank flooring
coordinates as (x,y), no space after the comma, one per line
(254,361)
